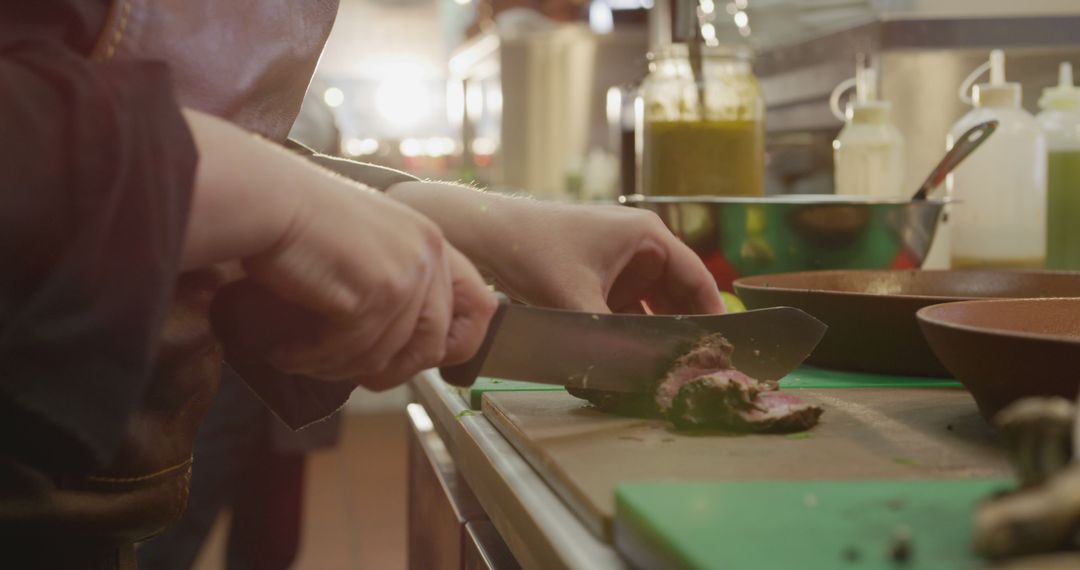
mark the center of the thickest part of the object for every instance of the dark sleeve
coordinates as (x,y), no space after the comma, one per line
(96,173)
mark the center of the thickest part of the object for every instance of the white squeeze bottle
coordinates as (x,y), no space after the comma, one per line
(1000,217)
(1060,122)
(868,154)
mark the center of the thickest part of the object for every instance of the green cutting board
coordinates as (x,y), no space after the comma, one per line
(804,377)
(484,385)
(805,525)
(813,377)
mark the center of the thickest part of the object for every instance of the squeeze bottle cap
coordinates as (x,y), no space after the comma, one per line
(996,93)
(1063,96)
(865,107)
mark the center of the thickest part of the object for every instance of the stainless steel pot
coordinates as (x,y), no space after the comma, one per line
(738,237)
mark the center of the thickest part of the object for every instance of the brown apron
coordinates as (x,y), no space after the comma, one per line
(248,61)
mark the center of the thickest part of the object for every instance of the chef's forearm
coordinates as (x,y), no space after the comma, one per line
(469,218)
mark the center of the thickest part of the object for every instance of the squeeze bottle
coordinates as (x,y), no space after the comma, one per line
(1060,122)
(999,219)
(868,154)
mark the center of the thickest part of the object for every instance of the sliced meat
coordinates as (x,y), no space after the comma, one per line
(704,390)
(730,385)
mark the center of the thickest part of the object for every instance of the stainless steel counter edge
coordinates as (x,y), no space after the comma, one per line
(541,532)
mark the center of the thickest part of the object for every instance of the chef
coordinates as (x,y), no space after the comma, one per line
(142,169)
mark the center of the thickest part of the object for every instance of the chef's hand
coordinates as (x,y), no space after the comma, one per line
(398,298)
(589,258)
(394,297)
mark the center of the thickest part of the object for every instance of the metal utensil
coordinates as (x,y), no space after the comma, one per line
(965,145)
(689,31)
(628,353)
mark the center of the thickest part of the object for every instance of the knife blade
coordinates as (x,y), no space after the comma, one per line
(629,353)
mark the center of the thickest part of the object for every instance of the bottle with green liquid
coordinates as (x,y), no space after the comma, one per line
(702,135)
(1060,120)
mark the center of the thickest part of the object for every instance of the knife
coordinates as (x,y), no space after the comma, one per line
(629,353)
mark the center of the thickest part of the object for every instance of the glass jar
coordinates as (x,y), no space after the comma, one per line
(711,147)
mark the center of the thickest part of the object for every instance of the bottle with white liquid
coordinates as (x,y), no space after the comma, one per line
(868,154)
(999,219)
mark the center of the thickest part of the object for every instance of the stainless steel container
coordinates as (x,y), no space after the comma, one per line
(738,237)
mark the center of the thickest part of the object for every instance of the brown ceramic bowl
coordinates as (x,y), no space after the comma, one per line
(1006,349)
(871,314)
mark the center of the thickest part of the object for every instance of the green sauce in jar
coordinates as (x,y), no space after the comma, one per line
(685,158)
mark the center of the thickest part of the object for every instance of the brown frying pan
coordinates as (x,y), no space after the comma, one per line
(871,314)
(1003,350)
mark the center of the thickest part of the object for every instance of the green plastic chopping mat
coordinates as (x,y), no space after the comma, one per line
(809,525)
(812,377)
(804,377)
(483,385)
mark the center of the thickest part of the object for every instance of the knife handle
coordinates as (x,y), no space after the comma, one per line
(465,374)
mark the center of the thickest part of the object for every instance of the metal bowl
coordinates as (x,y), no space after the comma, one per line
(739,237)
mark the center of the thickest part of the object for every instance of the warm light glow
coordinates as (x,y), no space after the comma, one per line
(403,97)
(741,19)
(740,4)
(493,98)
(484,146)
(474,101)
(455,102)
(708,6)
(411,147)
(462,2)
(334,97)
(601,20)
(361,147)
(439,146)
(420,418)
(708,31)
(614,106)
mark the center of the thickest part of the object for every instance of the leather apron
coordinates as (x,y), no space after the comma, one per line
(247,61)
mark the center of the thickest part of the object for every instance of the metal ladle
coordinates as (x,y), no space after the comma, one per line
(965,145)
(689,31)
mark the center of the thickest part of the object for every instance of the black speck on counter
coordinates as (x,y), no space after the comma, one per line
(900,549)
(948,427)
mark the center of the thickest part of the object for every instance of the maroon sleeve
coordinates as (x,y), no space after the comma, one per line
(96,173)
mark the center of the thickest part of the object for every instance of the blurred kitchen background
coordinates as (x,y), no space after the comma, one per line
(538,97)
(518,94)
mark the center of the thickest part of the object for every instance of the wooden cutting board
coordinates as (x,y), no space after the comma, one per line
(865,434)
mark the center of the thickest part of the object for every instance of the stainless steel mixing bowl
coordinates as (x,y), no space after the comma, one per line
(738,237)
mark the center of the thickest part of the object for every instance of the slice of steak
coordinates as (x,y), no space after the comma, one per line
(704,390)
(781,412)
(704,404)
(733,387)
(710,353)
